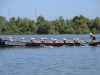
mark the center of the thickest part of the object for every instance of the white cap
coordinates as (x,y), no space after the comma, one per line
(64,38)
(90,33)
(52,38)
(22,38)
(45,38)
(10,37)
(41,38)
(55,39)
(77,38)
(32,38)
(74,38)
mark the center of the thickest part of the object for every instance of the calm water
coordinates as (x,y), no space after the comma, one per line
(83,60)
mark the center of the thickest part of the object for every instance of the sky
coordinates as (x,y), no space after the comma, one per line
(49,9)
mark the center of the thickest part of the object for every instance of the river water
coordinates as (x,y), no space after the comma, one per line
(81,60)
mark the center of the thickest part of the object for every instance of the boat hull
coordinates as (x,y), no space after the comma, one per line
(17,43)
(2,42)
(54,44)
(94,44)
(35,44)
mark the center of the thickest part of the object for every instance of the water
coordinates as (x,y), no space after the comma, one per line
(82,60)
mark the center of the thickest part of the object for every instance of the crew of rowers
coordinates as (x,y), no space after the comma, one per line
(44,40)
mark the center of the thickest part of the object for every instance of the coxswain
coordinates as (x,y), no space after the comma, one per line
(93,37)
(10,39)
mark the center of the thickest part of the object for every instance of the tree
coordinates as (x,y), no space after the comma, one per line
(76,25)
(40,19)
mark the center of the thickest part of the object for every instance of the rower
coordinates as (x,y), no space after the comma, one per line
(10,39)
(23,40)
(45,40)
(53,40)
(56,41)
(93,37)
(42,40)
(32,40)
(65,40)
(75,40)
(78,41)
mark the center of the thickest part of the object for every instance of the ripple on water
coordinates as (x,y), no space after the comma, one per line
(50,61)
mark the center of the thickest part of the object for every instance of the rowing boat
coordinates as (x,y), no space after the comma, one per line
(34,44)
(54,44)
(16,43)
(2,42)
(94,44)
(51,44)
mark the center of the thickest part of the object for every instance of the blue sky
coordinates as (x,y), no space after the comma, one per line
(50,9)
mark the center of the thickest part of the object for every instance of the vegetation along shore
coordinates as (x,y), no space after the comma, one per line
(76,25)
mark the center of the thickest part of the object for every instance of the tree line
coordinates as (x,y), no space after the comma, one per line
(76,25)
